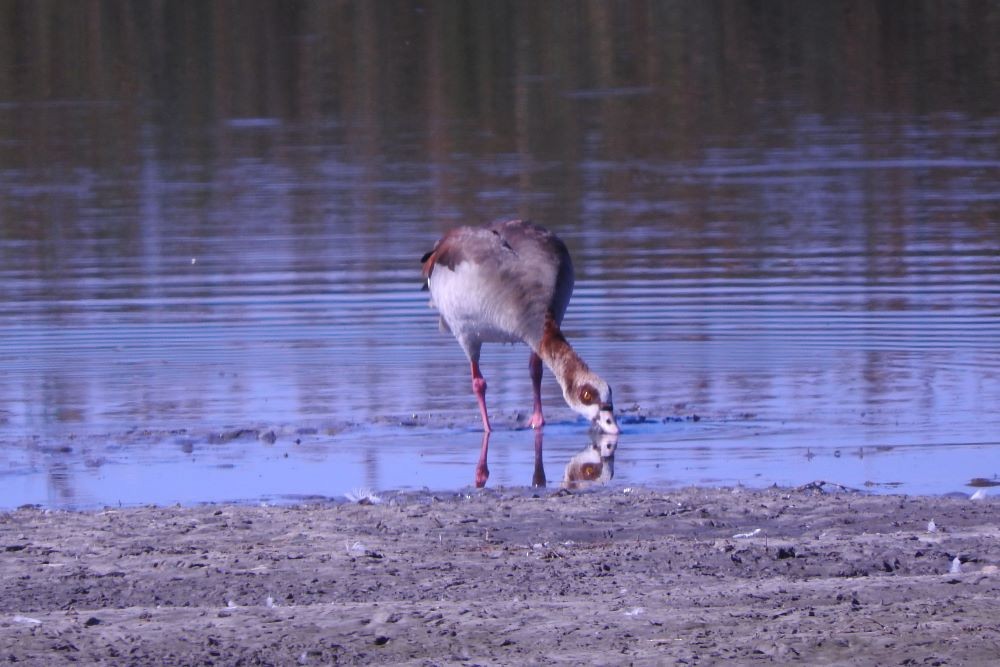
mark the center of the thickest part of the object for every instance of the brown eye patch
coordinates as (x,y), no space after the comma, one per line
(588,395)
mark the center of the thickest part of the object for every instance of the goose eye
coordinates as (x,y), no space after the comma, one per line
(587,395)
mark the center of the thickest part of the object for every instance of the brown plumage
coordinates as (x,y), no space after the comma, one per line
(511,282)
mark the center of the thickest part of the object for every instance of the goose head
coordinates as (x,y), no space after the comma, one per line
(590,396)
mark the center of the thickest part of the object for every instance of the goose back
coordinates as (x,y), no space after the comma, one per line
(499,283)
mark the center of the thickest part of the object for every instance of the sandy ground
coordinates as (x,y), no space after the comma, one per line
(695,576)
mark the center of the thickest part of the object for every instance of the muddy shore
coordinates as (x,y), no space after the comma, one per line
(693,576)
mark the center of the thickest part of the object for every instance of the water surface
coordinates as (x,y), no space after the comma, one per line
(784,221)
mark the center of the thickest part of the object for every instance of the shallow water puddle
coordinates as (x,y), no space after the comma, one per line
(281,465)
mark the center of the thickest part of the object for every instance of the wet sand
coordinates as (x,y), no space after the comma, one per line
(694,576)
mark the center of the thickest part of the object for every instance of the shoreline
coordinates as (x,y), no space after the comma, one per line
(685,576)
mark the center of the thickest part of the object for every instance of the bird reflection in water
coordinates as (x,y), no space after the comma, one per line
(595,464)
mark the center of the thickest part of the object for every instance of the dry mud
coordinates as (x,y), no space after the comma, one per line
(694,576)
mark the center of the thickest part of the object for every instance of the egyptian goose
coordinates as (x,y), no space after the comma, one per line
(511,282)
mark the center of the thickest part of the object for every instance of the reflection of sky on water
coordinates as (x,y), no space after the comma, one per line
(754,454)
(808,274)
(825,343)
(824,340)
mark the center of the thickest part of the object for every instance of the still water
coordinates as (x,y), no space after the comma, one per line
(785,222)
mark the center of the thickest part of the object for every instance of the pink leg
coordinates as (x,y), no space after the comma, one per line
(479,388)
(535,367)
(483,472)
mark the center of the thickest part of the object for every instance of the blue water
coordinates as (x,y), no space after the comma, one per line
(780,288)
